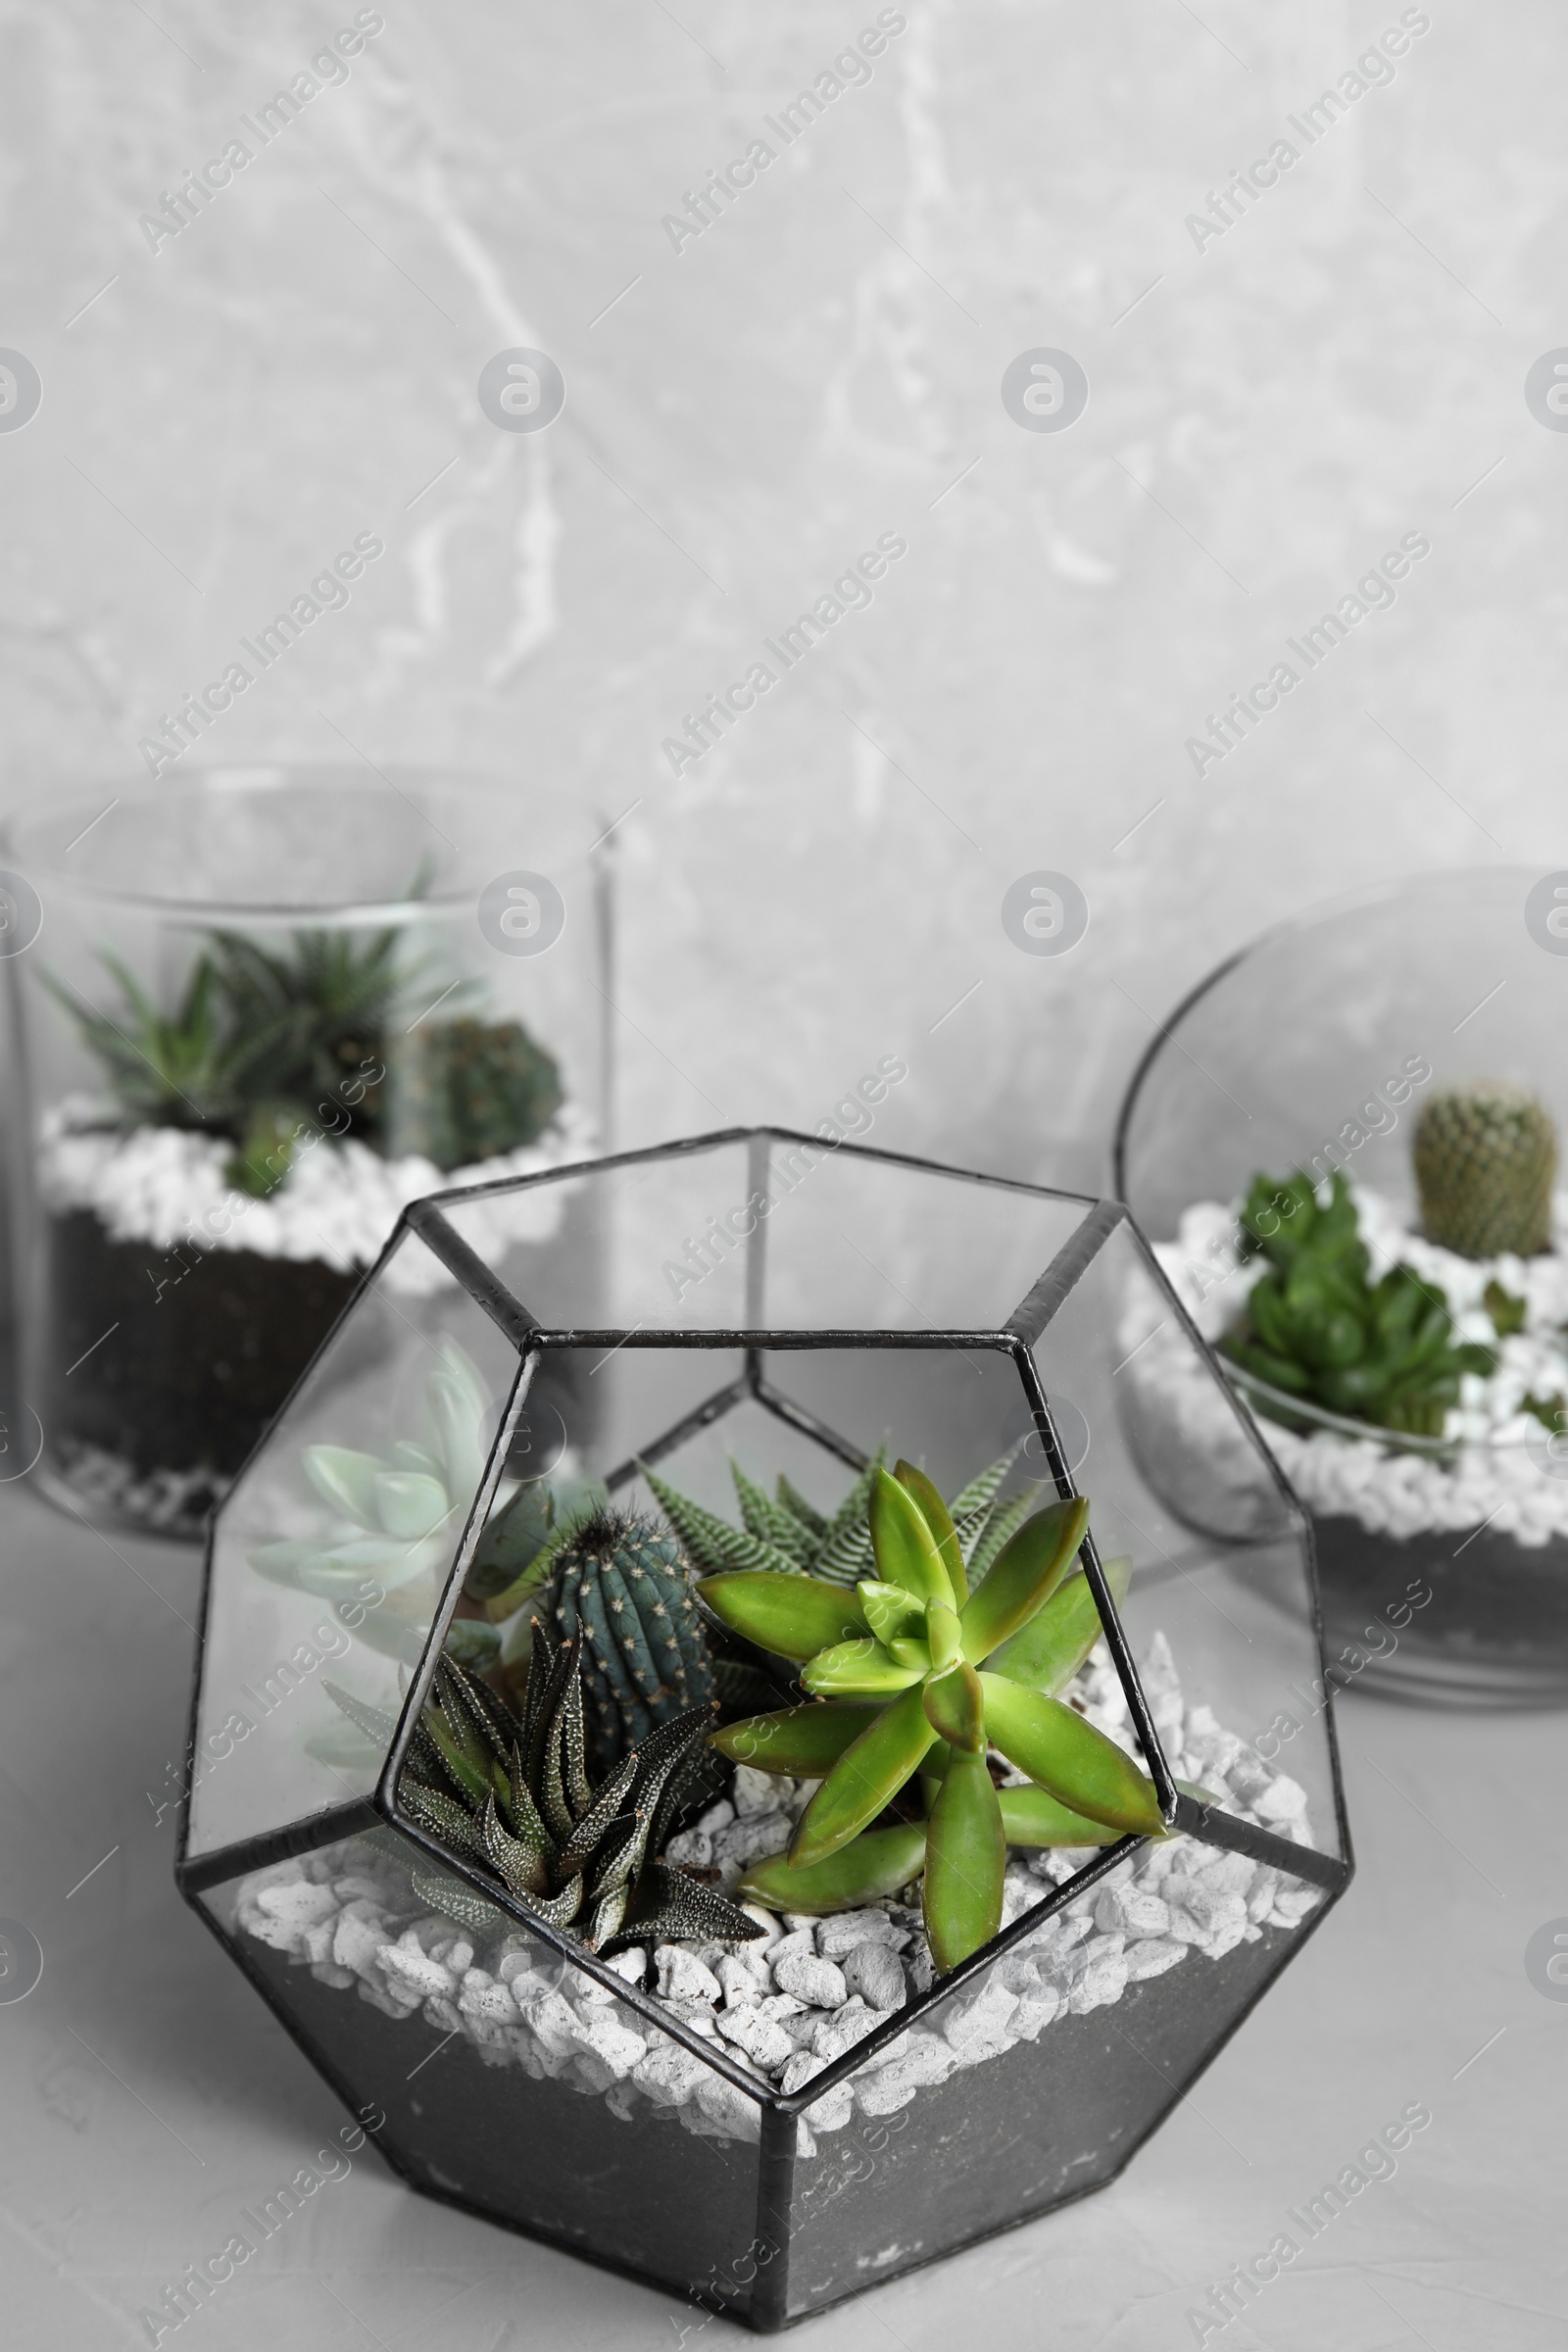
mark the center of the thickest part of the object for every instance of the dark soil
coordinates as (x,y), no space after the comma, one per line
(202,1347)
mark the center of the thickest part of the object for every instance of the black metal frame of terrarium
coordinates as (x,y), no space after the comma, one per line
(745,2228)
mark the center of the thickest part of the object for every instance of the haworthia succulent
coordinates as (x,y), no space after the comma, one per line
(517,1802)
(794,1502)
(771,1522)
(712,1544)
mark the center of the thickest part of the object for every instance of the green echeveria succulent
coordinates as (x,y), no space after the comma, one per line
(1486,1159)
(514,1797)
(1316,1326)
(914,1675)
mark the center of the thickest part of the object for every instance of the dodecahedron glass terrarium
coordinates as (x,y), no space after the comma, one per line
(762,2126)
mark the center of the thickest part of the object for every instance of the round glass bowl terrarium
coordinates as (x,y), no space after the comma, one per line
(264,1010)
(1442,1546)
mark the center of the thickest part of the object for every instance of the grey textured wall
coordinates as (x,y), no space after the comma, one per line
(1271,408)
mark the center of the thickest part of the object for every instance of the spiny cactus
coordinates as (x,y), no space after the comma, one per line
(622,1584)
(894,1667)
(464,1089)
(514,1796)
(1485,1158)
(783,1533)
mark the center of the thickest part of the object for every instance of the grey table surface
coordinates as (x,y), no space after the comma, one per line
(149,2095)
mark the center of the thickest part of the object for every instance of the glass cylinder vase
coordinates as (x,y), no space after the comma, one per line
(257,1012)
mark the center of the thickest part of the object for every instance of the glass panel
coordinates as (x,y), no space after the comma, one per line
(951,1409)
(1222,1631)
(792,1236)
(329,1557)
(1039,2077)
(493,2070)
(860,1244)
(658,1256)
(1302,1036)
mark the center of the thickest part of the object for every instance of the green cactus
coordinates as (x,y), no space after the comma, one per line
(622,1584)
(514,1797)
(465,1090)
(895,1670)
(1486,1159)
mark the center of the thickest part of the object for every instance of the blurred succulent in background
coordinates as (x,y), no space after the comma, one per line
(1486,1159)
(394,1522)
(269,1042)
(1316,1326)
(512,1796)
(914,1677)
(189,1068)
(464,1089)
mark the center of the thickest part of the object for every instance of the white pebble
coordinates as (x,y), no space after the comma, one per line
(874,1971)
(815,1982)
(682,1975)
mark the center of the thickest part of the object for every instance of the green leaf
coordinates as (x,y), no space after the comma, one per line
(803,1513)
(805,1741)
(943,1633)
(891,1610)
(944,1534)
(906,1550)
(793,1615)
(982,1490)
(876,1864)
(1001,1523)
(344,1479)
(1023,1578)
(954,1707)
(410,1504)
(1078,1765)
(770,1523)
(850,1667)
(473,1642)
(867,1777)
(710,1543)
(1053,1645)
(965,1863)
(1031,1816)
(1508,1313)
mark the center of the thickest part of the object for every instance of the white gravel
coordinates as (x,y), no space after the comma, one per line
(1494,1475)
(786,2007)
(337,1204)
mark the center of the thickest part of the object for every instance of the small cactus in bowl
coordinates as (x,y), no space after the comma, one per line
(1485,1158)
